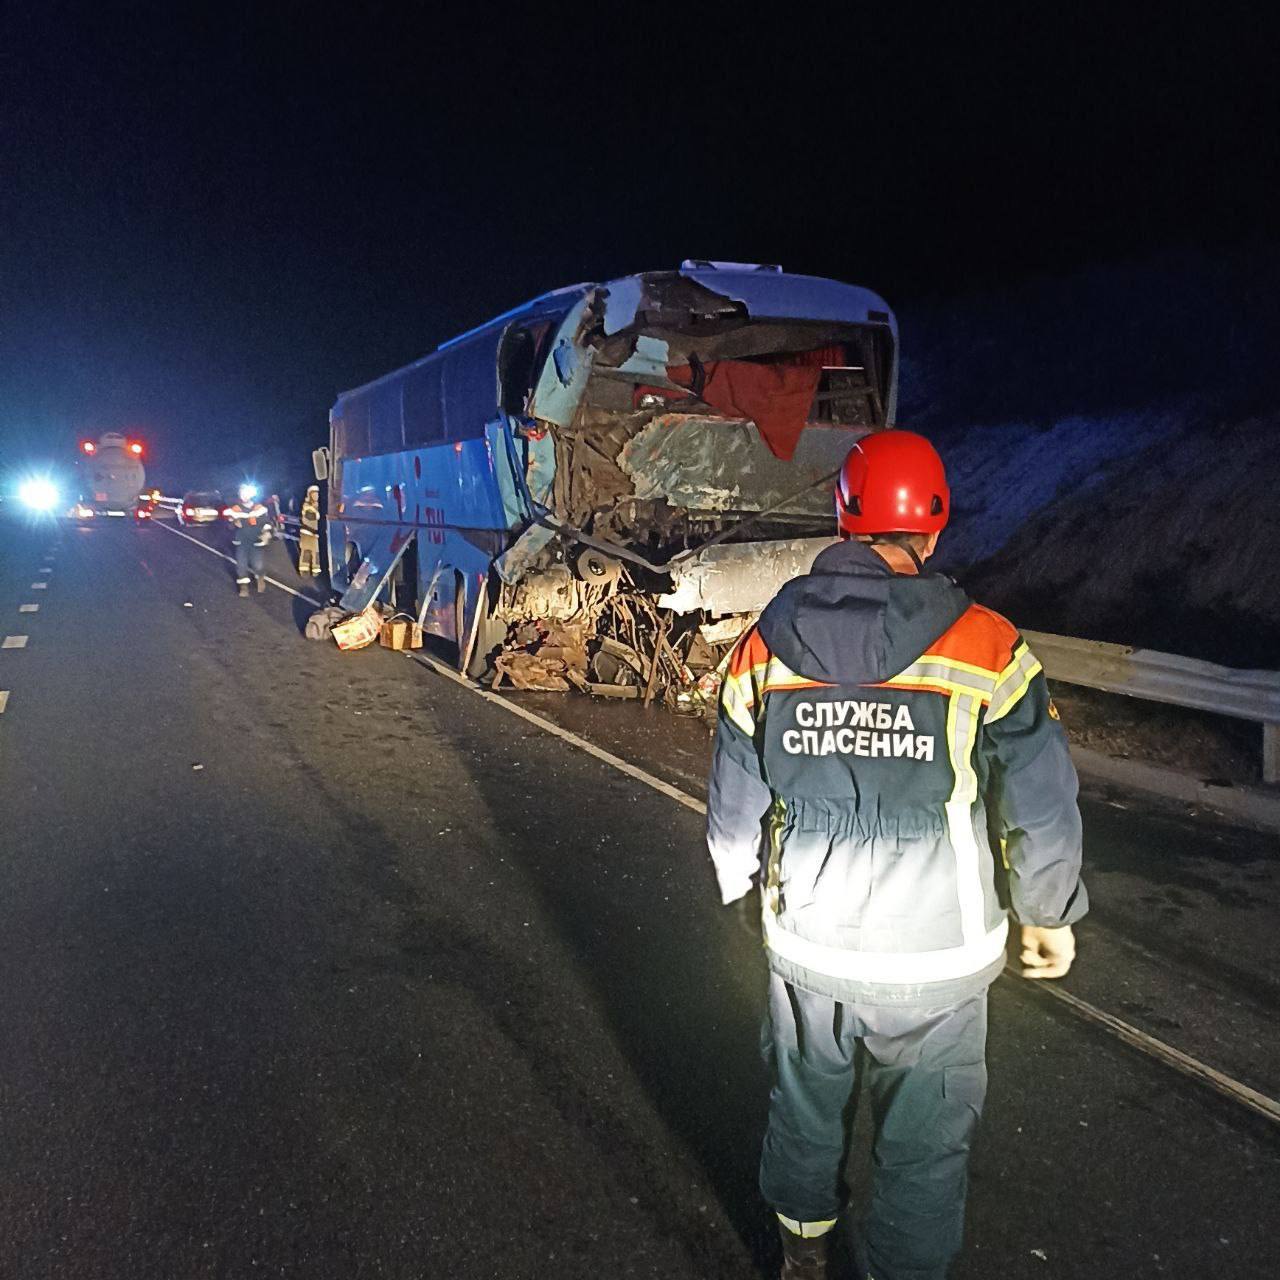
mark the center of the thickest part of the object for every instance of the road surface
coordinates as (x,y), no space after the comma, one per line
(320,965)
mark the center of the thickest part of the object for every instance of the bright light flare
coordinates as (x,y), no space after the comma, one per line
(38,493)
(135,448)
(248,492)
(88,446)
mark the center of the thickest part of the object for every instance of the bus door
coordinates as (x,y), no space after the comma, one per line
(377,530)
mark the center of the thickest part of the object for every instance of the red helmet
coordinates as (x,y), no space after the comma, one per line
(892,482)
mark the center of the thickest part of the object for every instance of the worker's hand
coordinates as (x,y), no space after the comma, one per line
(1047,953)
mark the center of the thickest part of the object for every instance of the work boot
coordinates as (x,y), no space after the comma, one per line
(804,1259)
(262,584)
(243,590)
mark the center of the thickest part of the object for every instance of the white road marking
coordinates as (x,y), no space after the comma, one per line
(1181,1062)
(1166,1053)
(46,569)
(13,642)
(222,555)
(28,608)
(38,586)
(616,762)
(4,700)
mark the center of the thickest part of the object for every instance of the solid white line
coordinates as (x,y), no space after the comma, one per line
(1166,1053)
(28,608)
(222,555)
(4,700)
(1181,1062)
(1158,1049)
(13,642)
(623,766)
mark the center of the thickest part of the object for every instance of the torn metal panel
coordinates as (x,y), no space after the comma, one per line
(552,592)
(780,296)
(649,359)
(621,304)
(726,631)
(714,464)
(738,577)
(383,548)
(565,374)
(526,552)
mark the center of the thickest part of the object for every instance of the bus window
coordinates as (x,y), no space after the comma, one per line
(423,416)
(351,430)
(521,357)
(386,427)
(471,384)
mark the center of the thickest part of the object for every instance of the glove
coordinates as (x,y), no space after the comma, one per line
(1047,953)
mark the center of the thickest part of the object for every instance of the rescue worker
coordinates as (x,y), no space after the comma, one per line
(250,533)
(901,745)
(309,533)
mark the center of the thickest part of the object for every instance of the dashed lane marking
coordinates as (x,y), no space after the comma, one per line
(4,700)
(38,586)
(46,568)
(28,608)
(13,642)
(1175,1059)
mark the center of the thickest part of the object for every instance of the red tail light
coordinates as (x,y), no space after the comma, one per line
(135,448)
(188,511)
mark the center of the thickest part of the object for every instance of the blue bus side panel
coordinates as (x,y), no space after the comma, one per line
(455,498)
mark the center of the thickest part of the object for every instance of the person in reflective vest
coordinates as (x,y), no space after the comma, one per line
(889,771)
(309,533)
(250,533)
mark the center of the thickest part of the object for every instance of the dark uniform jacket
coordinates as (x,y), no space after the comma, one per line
(900,743)
(250,523)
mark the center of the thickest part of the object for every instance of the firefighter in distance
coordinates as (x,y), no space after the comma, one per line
(309,533)
(897,746)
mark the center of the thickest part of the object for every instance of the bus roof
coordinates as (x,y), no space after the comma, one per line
(766,291)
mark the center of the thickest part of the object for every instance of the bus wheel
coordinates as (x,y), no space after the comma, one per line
(489,633)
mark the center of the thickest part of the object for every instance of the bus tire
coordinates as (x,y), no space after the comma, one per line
(489,633)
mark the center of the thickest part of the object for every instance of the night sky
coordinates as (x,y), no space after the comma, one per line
(214,220)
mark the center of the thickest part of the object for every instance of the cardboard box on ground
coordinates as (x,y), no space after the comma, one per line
(378,622)
(400,632)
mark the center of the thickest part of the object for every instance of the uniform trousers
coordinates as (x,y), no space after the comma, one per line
(308,553)
(923,1072)
(248,558)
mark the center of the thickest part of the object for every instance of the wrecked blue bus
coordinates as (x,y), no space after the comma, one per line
(612,479)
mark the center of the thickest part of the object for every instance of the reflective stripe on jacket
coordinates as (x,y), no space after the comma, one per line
(251,523)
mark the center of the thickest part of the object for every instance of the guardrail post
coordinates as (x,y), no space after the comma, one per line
(1271,753)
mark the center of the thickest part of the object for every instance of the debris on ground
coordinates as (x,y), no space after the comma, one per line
(625,647)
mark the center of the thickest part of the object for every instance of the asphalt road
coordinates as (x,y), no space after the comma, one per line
(318,965)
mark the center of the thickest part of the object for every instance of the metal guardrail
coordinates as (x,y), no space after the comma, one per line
(1163,677)
(1136,673)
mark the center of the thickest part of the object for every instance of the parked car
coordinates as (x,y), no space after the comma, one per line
(201,507)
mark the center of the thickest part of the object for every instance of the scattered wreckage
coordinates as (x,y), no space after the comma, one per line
(600,489)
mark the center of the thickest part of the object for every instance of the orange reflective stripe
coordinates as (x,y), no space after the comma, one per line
(750,652)
(980,637)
